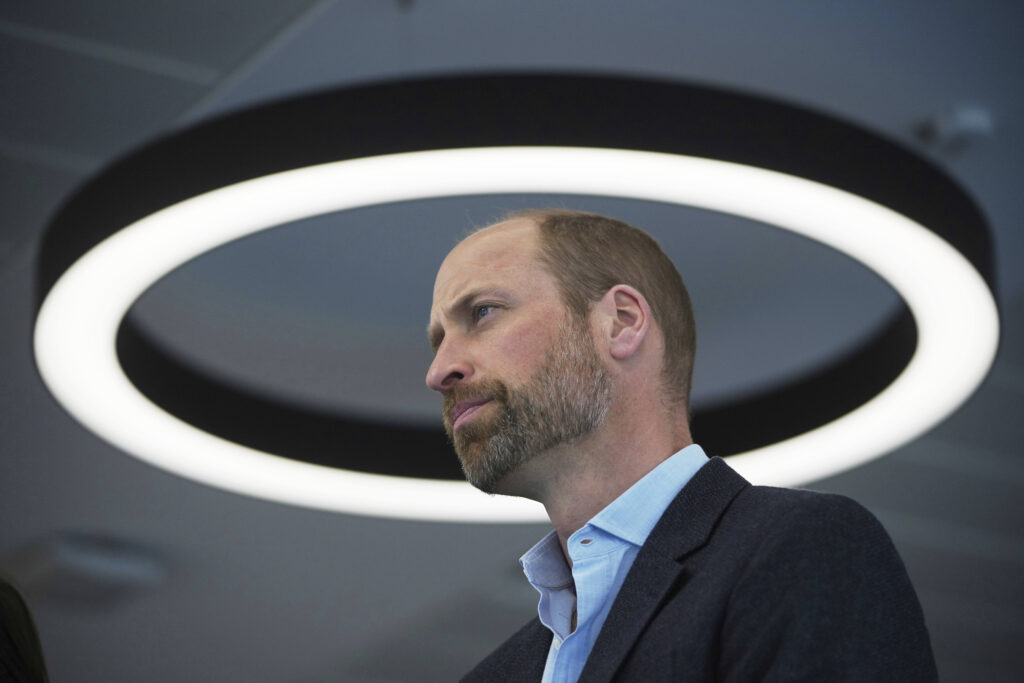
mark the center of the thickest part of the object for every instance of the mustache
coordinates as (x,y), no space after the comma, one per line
(492,389)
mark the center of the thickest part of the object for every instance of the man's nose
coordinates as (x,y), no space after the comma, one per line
(449,367)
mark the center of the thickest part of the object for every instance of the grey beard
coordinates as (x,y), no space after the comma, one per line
(566,399)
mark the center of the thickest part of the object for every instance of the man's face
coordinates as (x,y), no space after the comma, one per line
(518,373)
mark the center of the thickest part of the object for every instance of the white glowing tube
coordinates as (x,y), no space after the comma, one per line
(75,331)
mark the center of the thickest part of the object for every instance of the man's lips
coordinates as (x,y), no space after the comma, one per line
(463,411)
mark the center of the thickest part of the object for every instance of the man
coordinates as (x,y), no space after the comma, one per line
(564,347)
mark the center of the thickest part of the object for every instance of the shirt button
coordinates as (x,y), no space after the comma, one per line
(586,541)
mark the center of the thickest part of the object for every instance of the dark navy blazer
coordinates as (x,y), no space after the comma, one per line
(750,583)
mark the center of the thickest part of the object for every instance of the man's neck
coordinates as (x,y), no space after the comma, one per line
(577,481)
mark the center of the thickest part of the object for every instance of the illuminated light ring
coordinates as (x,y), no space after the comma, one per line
(89,301)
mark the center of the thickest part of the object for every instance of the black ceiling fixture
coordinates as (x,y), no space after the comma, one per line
(539,109)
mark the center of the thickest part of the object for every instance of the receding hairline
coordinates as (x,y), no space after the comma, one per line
(507,221)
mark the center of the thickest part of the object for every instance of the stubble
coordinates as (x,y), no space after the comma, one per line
(566,399)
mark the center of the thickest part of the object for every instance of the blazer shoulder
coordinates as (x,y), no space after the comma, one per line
(822,564)
(804,512)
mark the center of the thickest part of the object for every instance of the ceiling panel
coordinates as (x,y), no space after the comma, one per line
(982,422)
(912,487)
(28,192)
(81,105)
(212,33)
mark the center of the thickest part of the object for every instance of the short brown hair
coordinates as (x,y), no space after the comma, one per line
(589,254)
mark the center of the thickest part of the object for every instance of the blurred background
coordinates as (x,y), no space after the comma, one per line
(135,574)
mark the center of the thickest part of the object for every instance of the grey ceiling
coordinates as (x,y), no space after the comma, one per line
(331,311)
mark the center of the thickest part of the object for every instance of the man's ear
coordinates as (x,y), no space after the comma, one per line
(626,320)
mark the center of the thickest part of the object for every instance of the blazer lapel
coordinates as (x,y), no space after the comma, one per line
(685,527)
(520,658)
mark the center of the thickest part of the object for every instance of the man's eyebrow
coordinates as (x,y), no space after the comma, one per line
(435,335)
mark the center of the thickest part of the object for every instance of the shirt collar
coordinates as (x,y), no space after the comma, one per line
(634,514)
(544,564)
(630,517)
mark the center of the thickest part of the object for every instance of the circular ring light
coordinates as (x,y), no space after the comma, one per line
(503,134)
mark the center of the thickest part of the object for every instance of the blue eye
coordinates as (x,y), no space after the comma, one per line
(481,311)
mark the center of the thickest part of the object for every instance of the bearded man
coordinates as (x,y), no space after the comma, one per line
(564,346)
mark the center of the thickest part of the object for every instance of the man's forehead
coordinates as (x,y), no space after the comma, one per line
(500,248)
(520,233)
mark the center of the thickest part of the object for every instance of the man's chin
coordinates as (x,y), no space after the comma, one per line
(471,457)
(477,467)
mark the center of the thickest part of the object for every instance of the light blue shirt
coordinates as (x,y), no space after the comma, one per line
(602,552)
